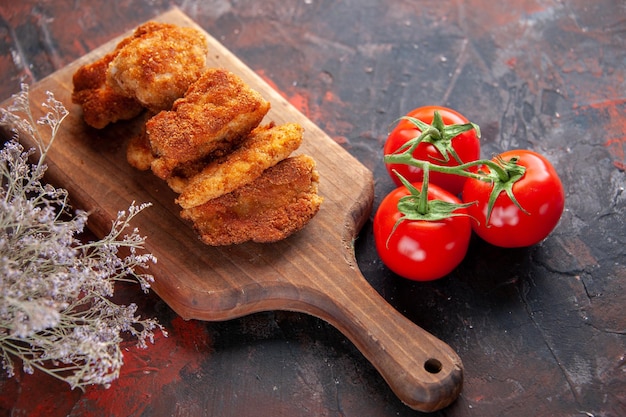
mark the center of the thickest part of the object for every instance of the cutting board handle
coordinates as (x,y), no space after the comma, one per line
(424,372)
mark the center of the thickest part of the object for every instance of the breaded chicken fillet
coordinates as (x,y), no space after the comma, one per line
(158,64)
(263,148)
(101,105)
(215,114)
(153,69)
(277,204)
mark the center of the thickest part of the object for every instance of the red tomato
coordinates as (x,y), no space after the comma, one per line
(466,145)
(421,250)
(539,192)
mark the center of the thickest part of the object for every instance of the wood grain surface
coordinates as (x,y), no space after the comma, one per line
(313,271)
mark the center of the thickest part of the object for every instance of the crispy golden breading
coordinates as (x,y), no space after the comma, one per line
(158,64)
(138,152)
(264,147)
(277,204)
(101,105)
(217,112)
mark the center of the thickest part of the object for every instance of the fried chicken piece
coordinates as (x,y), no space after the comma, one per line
(139,155)
(217,112)
(101,105)
(138,152)
(277,204)
(158,64)
(264,147)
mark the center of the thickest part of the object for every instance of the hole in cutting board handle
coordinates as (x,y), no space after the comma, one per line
(433,366)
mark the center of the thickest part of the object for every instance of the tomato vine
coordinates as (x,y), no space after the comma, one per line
(514,199)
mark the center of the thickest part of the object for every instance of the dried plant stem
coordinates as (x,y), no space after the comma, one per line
(56,311)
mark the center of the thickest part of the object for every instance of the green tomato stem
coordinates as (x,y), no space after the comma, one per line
(423,201)
(416,207)
(407,158)
(501,174)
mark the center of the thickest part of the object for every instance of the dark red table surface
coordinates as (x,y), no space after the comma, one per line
(541,331)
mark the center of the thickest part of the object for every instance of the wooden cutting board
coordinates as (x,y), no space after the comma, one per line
(313,271)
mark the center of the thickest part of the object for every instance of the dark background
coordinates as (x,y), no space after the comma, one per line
(541,331)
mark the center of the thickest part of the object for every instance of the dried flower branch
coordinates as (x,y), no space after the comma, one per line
(56,311)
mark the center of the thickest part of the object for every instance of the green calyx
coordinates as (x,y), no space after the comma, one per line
(417,207)
(439,135)
(503,175)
